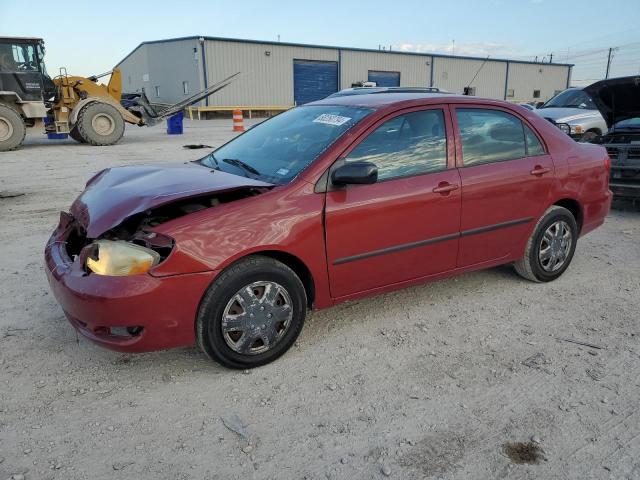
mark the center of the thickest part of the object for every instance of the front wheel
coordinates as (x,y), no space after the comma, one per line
(550,249)
(100,124)
(252,313)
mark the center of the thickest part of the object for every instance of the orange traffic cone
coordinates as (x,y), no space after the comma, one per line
(238,125)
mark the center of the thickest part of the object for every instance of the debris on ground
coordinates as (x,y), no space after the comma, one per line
(196,146)
(580,342)
(520,452)
(235,424)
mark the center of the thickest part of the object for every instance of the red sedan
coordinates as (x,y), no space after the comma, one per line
(328,202)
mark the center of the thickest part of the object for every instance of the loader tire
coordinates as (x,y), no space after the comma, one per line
(12,129)
(100,124)
(75,134)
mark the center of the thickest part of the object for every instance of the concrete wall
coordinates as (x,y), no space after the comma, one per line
(415,70)
(525,78)
(265,79)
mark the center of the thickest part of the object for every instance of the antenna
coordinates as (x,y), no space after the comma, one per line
(477,72)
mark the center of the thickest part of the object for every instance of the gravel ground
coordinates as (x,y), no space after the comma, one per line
(437,381)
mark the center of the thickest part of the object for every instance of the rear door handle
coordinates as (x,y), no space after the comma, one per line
(539,171)
(445,187)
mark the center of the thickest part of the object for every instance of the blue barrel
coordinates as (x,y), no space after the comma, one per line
(54,136)
(174,124)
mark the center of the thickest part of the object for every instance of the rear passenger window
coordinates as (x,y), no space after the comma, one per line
(409,144)
(534,147)
(489,136)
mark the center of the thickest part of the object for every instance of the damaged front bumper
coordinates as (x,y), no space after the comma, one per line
(136,313)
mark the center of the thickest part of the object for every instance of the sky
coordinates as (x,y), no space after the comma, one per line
(90,38)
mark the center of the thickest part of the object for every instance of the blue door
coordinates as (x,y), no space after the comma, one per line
(313,80)
(385,79)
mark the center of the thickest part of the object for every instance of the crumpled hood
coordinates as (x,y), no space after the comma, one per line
(117,193)
(566,115)
(617,98)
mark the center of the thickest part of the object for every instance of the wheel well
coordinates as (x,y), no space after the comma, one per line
(298,266)
(574,207)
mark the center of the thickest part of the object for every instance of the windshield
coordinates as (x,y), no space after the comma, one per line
(572,98)
(276,150)
(631,123)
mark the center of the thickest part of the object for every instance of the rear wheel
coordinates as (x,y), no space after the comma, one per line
(12,129)
(551,247)
(252,313)
(100,124)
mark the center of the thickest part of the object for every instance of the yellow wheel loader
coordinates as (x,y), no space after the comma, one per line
(88,111)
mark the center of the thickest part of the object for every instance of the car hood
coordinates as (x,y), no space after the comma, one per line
(115,194)
(617,98)
(565,115)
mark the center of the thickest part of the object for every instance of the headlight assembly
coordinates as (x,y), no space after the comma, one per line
(564,127)
(120,258)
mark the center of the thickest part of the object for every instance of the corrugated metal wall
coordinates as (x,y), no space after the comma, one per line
(134,68)
(414,69)
(454,74)
(267,71)
(266,79)
(525,78)
(165,65)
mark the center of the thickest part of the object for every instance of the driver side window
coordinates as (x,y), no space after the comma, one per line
(411,144)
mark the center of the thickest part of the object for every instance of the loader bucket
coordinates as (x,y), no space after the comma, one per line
(150,116)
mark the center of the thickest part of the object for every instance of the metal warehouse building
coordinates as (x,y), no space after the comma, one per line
(284,74)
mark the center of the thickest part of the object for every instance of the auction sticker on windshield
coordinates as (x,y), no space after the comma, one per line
(329,119)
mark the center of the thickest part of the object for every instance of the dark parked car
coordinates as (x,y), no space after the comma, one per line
(618,100)
(328,202)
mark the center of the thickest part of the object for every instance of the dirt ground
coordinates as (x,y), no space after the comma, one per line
(467,378)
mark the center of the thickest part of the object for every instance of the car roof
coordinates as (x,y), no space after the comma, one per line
(382,100)
(372,90)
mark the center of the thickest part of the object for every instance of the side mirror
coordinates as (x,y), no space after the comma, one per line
(355,173)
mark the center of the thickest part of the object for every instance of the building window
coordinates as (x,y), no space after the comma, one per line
(510,93)
(536,94)
(185,88)
(157,91)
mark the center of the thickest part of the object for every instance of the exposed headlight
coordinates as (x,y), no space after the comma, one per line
(564,127)
(120,258)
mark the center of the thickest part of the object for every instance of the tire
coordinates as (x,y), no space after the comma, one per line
(220,313)
(75,134)
(100,124)
(12,129)
(540,268)
(589,136)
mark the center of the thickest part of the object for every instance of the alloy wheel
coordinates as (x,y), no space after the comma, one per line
(555,246)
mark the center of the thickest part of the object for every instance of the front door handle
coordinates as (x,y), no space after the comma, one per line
(445,187)
(539,170)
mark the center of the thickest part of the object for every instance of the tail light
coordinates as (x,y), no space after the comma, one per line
(607,167)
